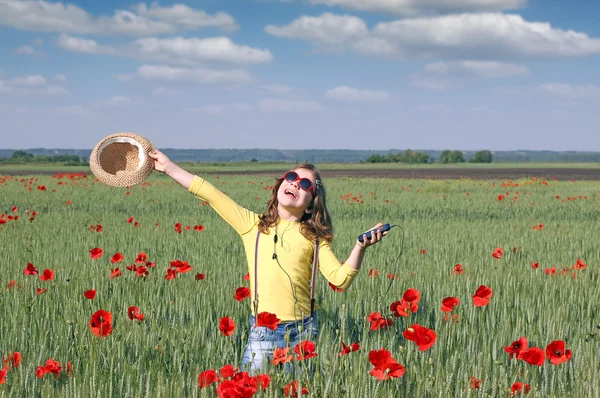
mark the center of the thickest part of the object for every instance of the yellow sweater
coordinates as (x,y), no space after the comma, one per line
(294,251)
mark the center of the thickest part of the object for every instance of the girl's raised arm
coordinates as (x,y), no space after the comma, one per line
(163,164)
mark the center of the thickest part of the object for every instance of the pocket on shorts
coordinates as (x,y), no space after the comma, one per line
(261,333)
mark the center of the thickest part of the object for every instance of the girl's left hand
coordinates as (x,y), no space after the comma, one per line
(375,237)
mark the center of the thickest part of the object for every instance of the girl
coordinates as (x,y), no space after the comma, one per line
(282,247)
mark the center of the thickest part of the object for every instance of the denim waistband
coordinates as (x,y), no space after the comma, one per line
(290,324)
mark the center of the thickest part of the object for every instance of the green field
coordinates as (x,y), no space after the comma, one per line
(445,223)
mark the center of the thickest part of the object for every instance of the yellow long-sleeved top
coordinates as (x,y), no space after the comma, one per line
(294,251)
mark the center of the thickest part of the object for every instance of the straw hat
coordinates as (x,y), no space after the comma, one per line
(122,160)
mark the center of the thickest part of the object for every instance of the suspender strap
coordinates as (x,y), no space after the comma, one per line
(314,278)
(256,276)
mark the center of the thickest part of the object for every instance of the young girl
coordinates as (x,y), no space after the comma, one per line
(281,247)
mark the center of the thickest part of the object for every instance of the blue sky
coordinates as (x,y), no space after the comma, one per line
(303,74)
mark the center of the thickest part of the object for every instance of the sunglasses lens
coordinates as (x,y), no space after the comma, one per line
(305,184)
(290,176)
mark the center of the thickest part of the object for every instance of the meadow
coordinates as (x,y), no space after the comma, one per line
(543,282)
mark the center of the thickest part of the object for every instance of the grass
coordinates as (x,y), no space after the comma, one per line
(452,221)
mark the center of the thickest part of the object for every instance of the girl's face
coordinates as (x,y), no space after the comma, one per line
(292,197)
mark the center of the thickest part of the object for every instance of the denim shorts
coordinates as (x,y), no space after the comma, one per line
(262,341)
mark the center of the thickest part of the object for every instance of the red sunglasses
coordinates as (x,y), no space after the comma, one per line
(304,184)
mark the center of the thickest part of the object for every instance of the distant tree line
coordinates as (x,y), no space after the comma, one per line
(22,157)
(420,157)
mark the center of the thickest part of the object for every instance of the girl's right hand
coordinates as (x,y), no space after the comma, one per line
(161,161)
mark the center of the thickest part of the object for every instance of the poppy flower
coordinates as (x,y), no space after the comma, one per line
(518,388)
(384,365)
(141,258)
(90,294)
(15,358)
(199,227)
(51,366)
(141,271)
(423,337)
(411,295)
(305,349)
(556,352)
(241,293)
(482,296)
(335,288)
(47,275)
(207,377)
(291,390)
(115,272)
(40,290)
(96,253)
(497,253)
(226,326)
(534,356)
(3,373)
(101,323)
(347,349)
(280,356)
(403,308)
(133,312)
(378,321)
(458,269)
(171,274)
(227,371)
(200,277)
(373,272)
(247,276)
(517,347)
(117,258)
(535,265)
(30,270)
(449,303)
(475,382)
(267,319)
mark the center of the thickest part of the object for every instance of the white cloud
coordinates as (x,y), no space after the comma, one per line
(60,78)
(277,89)
(29,81)
(31,84)
(119,100)
(242,106)
(74,110)
(570,92)
(202,76)
(28,50)
(489,69)
(327,31)
(38,42)
(280,105)
(76,44)
(44,16)
(125,77)
(210,109)
(411,7)
(434,83)
(460,36)
(216,49)
(351,94)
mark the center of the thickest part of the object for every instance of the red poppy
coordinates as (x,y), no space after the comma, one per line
(497,253)
(518,388)
(30,270)
(241,293)
(556,352)
(130,220)
(15,358)
(207,377)
(423,337)
(372,272)
(534,356)
(267,319)
(475,382)
(96,253)
(305,349)
(141,258)
(3,373)
(347,349)
(131,267)
(535,265)
(517,348)
(90,294)
(199,227)
(40,291)
(115,272)
(171,274)
(280,356)
(101,323)
(227,371)
(378,321)
(291,390)
(150,264)
(47,275)
(384,365)
(247,276)
(117,258)
(403,308)
(141,271)
(51,366)
(458,269)
(449,303)
(226,326)
(335,288)
(411,295)
(181,266)
(199,277)
(133,312)
(482,296)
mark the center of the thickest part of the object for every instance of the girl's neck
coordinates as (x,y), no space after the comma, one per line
(286,215)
